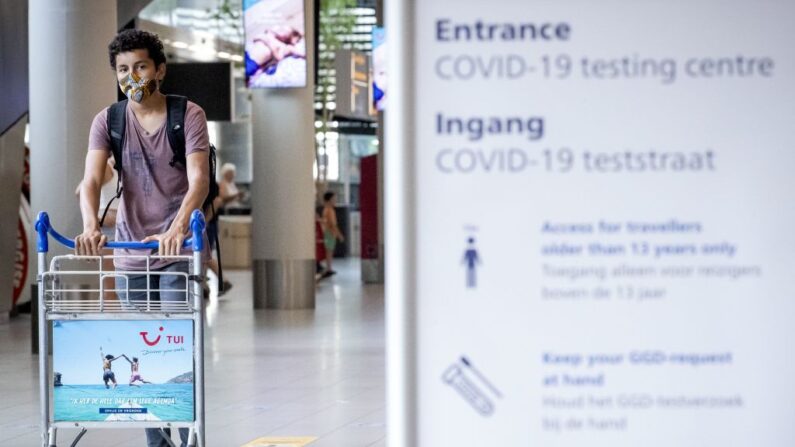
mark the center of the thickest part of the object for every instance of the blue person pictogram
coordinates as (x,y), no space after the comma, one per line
(471,260)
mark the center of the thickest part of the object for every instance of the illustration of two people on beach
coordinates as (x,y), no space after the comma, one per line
(108,375)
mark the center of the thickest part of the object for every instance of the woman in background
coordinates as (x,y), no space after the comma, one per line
(331,232)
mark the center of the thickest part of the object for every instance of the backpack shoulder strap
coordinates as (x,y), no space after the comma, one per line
(117,123)
(177,107)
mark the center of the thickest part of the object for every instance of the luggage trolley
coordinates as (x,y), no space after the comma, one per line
(87,386)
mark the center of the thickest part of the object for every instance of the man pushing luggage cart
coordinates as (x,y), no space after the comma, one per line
(162,153)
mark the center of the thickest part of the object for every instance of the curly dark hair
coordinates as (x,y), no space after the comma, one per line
(136,39)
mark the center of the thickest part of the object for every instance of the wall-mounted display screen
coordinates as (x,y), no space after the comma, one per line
(275,43)
(208,84)
(354,98)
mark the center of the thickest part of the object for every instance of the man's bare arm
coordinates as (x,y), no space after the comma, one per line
(91,240)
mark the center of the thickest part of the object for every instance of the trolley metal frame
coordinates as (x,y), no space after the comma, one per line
(54,307)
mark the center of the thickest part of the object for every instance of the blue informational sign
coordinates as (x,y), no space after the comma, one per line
(125,370)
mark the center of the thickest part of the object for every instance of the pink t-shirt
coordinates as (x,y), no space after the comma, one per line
(153,190)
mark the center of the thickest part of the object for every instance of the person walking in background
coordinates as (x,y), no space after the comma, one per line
(228,196)
(320,247)
(228,193)
(331,232)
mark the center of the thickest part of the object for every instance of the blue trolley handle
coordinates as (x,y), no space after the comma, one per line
(43,226)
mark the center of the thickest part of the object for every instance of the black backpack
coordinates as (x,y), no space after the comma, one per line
(175,130)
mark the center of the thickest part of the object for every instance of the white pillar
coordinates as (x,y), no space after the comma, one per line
(70,81)
(400,232)
(282,190)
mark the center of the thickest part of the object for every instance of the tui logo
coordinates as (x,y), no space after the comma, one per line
(146,339)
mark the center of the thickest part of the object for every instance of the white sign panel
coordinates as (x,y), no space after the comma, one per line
(604,243)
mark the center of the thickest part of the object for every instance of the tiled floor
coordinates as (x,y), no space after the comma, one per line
(281,373)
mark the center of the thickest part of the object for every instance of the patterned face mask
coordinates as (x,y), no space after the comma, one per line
(137,89)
